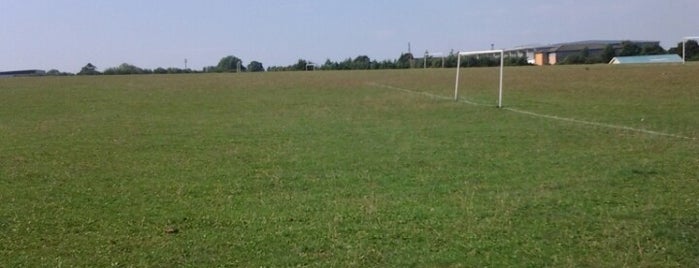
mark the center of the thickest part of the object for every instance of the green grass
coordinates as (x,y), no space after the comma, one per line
(327,169)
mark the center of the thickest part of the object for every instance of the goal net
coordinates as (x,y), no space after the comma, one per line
(429,59)
(496,53)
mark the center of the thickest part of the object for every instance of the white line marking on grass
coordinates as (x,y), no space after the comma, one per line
(651,132)
(553,117)
(410,91)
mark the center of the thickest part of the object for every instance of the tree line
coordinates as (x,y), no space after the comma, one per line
(405,61)
(232,64)
(226,64)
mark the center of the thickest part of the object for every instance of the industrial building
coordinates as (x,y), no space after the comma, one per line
(556,53)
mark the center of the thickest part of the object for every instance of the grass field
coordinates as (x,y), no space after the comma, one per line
(353,169)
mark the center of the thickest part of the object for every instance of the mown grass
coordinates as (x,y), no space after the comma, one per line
(328,169)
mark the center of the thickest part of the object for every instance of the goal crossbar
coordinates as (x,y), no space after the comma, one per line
(471,53)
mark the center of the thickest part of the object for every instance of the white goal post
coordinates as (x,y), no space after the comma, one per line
(684,44)
(471,53)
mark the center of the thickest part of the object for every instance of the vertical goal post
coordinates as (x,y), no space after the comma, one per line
(684,45)
(472,53)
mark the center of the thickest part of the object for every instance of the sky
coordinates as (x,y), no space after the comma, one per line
(68,34)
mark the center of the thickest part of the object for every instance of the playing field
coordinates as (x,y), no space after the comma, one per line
(585,166)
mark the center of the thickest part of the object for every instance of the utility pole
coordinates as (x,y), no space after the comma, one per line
(185,64)
(424,60)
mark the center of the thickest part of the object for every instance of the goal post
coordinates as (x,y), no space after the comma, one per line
(472,53)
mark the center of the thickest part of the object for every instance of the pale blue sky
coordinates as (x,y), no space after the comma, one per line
(67,34)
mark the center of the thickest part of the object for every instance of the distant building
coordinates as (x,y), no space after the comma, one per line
(667,58)
(556,53)
(22,73)
(528,51)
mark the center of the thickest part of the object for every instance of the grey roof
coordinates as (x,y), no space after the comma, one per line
(22,72)
(592,45)
(528,47)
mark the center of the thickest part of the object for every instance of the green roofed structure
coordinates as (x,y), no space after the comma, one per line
(667,58)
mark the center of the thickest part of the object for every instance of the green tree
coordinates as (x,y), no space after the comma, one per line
(255,66)
(435,62)
(573,59)
(89,69)
(608,53)
(55,72)
(655,49)
(629,48)
(330,65)
(345,64)
(300,65)
(230,64)
(173,70)
(586,58)
(405,60)
(361,62)
(125,68)
(450,61)
(692,49)
(386,64)
(516,61)
(585,53)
